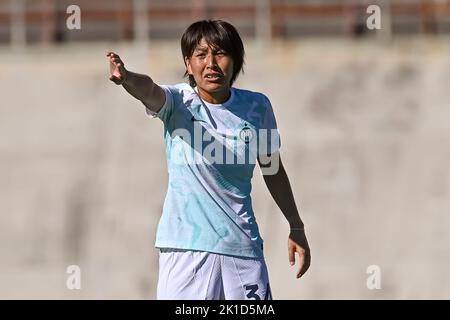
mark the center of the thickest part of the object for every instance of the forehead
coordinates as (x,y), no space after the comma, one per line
(203,45)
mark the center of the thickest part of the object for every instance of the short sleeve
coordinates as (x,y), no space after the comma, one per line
(166,110)
(269,136)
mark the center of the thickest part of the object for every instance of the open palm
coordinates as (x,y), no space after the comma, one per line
(116,68)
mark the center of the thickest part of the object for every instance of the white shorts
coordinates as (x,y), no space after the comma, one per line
(199,275)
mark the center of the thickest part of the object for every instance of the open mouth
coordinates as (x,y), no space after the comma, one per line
(213,77)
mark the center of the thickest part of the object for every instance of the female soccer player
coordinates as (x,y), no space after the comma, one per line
(210,246)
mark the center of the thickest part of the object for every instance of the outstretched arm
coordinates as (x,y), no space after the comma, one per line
(138,85)
(280,189)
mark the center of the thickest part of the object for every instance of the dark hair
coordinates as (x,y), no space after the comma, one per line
(217,34)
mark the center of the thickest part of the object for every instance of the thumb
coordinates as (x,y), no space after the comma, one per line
(115,79)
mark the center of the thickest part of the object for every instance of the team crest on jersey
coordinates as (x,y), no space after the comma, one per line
(246,134)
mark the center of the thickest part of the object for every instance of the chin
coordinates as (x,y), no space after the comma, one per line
(214,87)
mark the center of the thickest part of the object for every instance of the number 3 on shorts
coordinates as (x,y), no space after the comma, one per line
(252,292)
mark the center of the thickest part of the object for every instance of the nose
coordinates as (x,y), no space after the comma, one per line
(211,61)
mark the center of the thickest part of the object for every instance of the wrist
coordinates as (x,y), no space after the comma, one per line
(297,226)
(125,76)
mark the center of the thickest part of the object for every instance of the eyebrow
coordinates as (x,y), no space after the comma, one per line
(202,49)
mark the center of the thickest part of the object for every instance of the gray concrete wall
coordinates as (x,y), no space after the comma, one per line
(365,140)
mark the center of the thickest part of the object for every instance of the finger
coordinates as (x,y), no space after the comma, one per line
(121,69)
(291,251)
(114,59)
(117,62)
(302,263)
(306,264)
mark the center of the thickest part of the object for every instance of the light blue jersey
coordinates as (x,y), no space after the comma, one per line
(211,154)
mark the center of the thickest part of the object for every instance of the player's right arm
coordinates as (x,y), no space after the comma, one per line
(138,85)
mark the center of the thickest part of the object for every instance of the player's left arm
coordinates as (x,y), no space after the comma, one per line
(281,191)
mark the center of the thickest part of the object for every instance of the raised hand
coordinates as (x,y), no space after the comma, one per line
(117,69)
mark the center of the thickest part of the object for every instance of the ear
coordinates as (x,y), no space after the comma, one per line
(187,62)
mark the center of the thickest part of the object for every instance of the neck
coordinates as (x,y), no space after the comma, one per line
(214,97)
